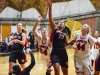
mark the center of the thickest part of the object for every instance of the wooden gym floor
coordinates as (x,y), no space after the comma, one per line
(39,68)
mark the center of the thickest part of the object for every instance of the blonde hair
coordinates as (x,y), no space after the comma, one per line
(89,30)
(24,30)
(88,27)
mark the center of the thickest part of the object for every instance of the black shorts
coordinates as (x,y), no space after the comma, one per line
(97,64)
(60,57)
(14,55)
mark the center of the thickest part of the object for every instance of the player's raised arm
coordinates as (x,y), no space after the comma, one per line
(35,25)
(52,24)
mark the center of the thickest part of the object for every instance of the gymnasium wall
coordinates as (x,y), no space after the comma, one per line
(6,29)
(98,24)
(0,28)
(14,29)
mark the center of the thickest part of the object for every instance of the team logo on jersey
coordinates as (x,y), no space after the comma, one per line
(15,36)
(19,37)
(61,34)
(81,44)
(43,49)
(58,31)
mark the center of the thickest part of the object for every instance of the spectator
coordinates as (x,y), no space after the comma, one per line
(31,40)
(3,45)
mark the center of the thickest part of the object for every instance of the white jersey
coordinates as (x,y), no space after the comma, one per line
(44,46)
(45,50)
(95,47)
(83,45)
(95,50)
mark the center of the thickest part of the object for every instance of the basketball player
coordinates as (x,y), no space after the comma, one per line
(26,71)
(17,45)
(82,59)
(44,46)
(59,35)
(95,48)
(96,52)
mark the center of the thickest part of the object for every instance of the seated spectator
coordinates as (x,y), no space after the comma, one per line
(3,45)
(7,40)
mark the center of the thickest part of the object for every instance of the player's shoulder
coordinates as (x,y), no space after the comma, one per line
(77,34)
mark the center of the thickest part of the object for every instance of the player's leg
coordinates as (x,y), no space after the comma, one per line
(87,66)
(55,61)
(78,66)
(49,67)
(21,59)
(12,60)
(97,66)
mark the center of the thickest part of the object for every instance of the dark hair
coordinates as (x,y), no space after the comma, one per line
(16,69)
(67,31)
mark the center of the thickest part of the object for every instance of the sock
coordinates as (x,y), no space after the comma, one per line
(47,73)
(92,62)
(10,73)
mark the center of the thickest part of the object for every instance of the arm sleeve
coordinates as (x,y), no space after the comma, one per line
(91,40)
(28,69)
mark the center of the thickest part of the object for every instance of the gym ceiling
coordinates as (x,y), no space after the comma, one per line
(39,5)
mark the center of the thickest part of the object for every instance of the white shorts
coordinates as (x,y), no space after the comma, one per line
(82,66)
(46,60)
(94,54)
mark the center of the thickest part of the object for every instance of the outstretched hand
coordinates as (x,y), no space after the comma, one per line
(49,3)
(39,18)
(74,47)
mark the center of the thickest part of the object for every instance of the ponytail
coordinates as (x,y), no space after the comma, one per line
(24,30)
(67,31)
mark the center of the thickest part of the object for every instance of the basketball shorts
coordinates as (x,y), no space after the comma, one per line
(46,60)
(97,64)
(60,57)
(14,55)
(82,66)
